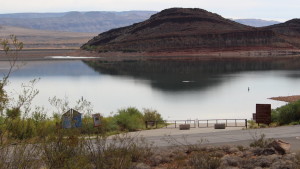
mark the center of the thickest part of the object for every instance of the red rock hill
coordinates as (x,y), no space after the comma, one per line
(184,29)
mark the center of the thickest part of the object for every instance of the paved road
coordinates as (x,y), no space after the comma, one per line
(230,135)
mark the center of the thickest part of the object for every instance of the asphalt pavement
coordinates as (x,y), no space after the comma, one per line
(229,136)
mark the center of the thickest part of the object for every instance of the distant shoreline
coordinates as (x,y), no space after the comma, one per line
(41,54)
(289,99)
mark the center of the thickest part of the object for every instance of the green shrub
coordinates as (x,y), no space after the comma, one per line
(46,128)
(109,124)
(287,114)
(130,119)
(152,115)
(21,128)
(275,115)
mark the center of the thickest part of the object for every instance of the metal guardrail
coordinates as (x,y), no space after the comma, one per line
(176,123)
(200,123)
(227,122)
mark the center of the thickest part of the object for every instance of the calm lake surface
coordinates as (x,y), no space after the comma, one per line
(177,96)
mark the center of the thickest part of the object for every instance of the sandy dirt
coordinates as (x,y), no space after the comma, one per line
(289,99)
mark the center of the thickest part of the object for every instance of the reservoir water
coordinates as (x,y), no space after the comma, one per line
(177,95)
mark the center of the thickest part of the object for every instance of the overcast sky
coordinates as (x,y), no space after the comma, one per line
(264,9)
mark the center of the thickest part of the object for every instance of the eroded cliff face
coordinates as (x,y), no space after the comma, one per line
(289,31)
(182,29)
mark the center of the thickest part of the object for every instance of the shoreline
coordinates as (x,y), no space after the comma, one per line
(41,54)
(288,99)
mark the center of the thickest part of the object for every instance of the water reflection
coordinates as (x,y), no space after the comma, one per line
(173,75)
(178,90)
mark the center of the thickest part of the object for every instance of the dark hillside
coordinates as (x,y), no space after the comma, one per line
(182,29)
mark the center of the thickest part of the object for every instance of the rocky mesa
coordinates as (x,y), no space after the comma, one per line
(187,29)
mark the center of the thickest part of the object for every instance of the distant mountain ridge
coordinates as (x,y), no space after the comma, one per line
(32,15)
(256,22)
(75,21)
(92,21)
(185,29)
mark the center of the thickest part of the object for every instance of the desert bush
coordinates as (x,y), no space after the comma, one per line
(130,119)
(119,152)
(39,116)
(252,124)
(21,128)
(260,141)
(46,128)
(87,125)
(65,149)
(297,161)
(202,159)
(20,155)
(287,114)
(274,124)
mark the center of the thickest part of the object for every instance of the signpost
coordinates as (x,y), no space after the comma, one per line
(97,120)
(263,114)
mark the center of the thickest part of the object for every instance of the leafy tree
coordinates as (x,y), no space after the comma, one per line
(152,115)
